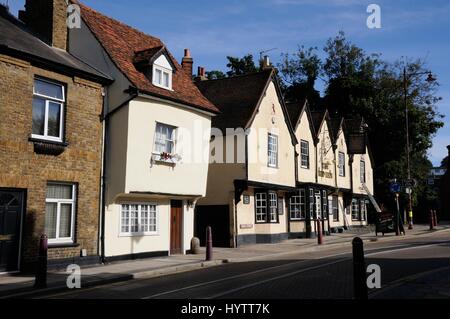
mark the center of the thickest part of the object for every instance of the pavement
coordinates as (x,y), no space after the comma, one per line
(20,285)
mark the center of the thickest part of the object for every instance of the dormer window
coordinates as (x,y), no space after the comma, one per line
(162,77)
(157,66)
(162,73)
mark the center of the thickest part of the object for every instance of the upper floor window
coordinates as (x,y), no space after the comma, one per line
(162,73)
(341,164)
(48,109)
(304,153)
(362,171)
(273,150)
(60,213)
(164,139)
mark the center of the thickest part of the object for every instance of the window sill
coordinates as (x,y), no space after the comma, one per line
(138,235)
(62,245)
(297,220)
(46,147)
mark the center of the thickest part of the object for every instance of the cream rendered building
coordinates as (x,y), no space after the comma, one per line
(157,128)
(246,200)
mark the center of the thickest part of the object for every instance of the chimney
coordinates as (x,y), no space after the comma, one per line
(448,148)
(265,63)
(201,74)
(187,62)
(48,19)
(4,9)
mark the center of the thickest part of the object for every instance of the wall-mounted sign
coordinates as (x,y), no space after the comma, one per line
(280,206)
(246,200)
(246,226)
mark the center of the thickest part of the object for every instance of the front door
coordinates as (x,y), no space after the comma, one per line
(176,215)
(11,208)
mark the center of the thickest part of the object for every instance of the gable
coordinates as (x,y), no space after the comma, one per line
(162,61)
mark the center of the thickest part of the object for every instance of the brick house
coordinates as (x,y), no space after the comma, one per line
(50,141)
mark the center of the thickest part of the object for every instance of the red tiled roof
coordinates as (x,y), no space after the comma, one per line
(122,42)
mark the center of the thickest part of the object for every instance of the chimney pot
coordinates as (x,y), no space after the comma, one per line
(266,63)
(201,74)
(187,62)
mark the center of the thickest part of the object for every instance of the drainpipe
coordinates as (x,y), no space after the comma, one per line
(104,120)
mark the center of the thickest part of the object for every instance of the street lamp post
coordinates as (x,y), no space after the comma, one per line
(408,151)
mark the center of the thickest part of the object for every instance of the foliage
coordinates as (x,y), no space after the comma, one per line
(361,84)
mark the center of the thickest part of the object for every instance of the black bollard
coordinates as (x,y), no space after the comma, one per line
(359,270)
(431,220)
(41,269)
(435,218)
(319,232)
(209,244)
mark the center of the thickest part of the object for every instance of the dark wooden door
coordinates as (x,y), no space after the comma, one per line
(176,219)
(216,217)
(11,207)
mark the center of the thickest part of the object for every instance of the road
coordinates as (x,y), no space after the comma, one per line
(322,274)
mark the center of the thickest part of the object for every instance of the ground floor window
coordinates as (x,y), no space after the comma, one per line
(334,207)
(60,212)
(355,209)
(363,210)
(266,205)
(138,219)
(297,206)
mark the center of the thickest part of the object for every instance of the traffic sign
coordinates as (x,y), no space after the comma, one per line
(395,187)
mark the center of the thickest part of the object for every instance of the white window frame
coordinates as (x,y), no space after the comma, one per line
(261,207)
(334,207)
(297,206)
(163,71)
(173,140)
(129,233)
(363,210)
(273,209)
(272,150)
(318,204)
(355,210)
(304,154)
(59,202)
(341,160)
(362,171)
(47,100)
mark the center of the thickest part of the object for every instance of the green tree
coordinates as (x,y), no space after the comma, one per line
(362,84)
(300,72)
(240,66)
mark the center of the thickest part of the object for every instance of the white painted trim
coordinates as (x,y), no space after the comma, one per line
(157,99)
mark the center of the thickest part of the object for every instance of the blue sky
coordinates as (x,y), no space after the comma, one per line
(214,29)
